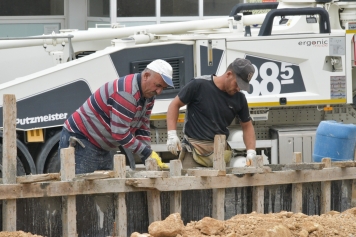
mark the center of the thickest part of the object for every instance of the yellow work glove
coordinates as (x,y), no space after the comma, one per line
(160,164)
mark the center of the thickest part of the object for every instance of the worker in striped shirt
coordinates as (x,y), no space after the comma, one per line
(115,115)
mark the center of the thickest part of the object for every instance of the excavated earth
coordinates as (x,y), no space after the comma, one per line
(283,224)
(17,234)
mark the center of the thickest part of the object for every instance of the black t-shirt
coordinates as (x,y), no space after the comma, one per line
(209,110)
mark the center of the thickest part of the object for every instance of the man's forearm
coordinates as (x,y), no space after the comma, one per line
(250,142)
(249,136)
(172,115)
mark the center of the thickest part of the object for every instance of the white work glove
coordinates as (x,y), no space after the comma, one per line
(251,154)
(173,142)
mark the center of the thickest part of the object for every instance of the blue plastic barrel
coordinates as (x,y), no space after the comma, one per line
(334,140)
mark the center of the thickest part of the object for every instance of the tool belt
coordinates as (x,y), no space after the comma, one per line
(203,151)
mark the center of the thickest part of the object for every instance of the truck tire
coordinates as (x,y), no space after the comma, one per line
(20,170)
(47,160)
(24,157)
(53,164)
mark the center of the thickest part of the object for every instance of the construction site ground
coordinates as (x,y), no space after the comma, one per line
(283,224)
(17,234)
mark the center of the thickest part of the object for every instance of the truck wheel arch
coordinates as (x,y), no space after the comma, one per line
(24,156)
(45,151)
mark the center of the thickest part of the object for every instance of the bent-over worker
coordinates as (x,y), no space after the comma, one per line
(213,102)
(115,115)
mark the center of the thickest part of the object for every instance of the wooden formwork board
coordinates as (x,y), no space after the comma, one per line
(153,181)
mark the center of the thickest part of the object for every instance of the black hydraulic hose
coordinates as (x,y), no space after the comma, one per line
(324,21)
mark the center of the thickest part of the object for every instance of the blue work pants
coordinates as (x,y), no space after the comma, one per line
(89,158)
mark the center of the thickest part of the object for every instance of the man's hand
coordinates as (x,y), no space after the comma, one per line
(251,154)
(160,164)
(173,142)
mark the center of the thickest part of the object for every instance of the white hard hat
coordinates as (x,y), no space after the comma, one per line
(164,69)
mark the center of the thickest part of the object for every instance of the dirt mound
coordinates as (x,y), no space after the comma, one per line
(17,234)
(283,224)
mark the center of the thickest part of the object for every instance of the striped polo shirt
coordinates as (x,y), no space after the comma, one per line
(116,115)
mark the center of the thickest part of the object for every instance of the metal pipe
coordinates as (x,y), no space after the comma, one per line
(253,19)
(69,37)
(118,33)
(113,11)
(37,37)
(71,50)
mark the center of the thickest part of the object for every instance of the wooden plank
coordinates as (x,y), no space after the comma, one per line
(353,187)
(151,165)
(38,178)
(219,151)
(98,174)
(267,169)
(147,174)
(297,188)
(275,178)
(248,170)
(69,222)
(258,199)
(218,211)
(343,164)
(67,164)
(9,151)
(245,170)
(9,215)
(175,169)
(275,167)
(297,158)
(120,198)
(257,162)
(153,197)
(297,197)
(304,166)
(175,196)
(353,193)
(116,185)
(257,191)
(9,154)
(325,204)
(205,172)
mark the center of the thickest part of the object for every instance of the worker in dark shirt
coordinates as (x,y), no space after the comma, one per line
(213,102)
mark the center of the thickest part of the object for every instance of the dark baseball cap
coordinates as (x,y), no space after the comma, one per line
(244,71)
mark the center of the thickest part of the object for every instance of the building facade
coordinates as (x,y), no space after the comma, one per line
(20,18)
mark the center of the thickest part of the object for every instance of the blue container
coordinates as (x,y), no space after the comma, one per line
(334,140)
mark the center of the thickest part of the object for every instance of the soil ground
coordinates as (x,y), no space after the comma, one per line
(283,224)
(17,234)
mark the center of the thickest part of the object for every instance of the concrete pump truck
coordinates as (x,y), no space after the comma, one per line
(303,51)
